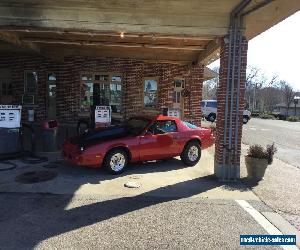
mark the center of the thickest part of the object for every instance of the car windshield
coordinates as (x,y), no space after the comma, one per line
(136,125)
(189,125)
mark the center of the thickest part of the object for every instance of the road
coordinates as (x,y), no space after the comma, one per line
(286,136)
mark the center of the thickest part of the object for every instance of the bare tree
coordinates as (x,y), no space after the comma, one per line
(270,94)
(210,87)
(288,94)
(254,81)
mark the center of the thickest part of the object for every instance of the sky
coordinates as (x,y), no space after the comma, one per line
(277,51)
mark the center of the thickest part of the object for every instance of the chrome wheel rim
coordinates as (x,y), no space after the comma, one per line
(193,153)
(117,162)
(244,120)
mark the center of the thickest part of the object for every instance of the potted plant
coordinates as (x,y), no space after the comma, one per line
(258,159)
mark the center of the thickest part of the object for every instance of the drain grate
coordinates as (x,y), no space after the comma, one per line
(36,176)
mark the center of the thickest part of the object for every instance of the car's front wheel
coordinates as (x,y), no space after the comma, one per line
(191,153)
(116,161)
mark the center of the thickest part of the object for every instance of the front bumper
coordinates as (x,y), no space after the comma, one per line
(72,155)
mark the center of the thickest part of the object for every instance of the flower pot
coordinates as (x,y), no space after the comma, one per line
(256,168)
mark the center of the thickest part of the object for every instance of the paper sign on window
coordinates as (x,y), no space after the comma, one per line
(102,114)
(10,116)
(174,113)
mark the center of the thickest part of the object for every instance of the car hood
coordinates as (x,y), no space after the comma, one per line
(100,135)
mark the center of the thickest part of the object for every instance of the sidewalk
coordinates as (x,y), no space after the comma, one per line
(280,189)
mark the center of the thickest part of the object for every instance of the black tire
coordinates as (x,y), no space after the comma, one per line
(186,159)
(245,119)
(112,156)
(211,117)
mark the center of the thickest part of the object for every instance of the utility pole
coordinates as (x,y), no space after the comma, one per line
(296,101)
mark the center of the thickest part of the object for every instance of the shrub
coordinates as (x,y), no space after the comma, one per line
(281,117)
(257,151)
(267,116)
(271,150)
(255,113)
(293,119)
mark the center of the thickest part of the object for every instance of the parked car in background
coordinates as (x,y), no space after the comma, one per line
(209,111)
(136,140)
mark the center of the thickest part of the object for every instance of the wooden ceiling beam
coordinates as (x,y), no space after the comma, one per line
(15,40)
(90,33)
(211,52)
(110,44)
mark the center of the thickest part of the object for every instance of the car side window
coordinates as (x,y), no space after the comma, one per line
(211,104)
(161,127)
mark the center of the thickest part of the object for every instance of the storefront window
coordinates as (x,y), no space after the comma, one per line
(150,93)
(30,85)
(116,97)
(86,92)
(101,89)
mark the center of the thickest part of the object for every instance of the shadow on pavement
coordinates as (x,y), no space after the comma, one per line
(47,219)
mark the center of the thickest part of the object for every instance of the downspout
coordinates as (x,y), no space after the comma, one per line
(241,24)
(232,32)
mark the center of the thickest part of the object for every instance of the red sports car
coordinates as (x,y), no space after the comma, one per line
(139,139)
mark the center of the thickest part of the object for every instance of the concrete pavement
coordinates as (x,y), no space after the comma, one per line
(176,207)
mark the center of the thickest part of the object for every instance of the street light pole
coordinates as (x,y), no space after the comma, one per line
(296,101)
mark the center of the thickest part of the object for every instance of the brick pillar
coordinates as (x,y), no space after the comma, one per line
(228,150)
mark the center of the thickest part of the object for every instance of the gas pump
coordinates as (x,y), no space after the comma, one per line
(10,128)
(102,116)
(174,112)
(11,142)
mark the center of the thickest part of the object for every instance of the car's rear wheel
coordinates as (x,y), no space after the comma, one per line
(116,161)
(191,153)
(245,119)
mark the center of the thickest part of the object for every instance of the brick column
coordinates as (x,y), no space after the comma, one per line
(228,139)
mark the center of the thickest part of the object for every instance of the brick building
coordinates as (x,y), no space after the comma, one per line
(59,57)
(66,90)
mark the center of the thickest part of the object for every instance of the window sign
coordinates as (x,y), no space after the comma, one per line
(150,93)
(51,77)
(52,90)
(102,114)
(10,116)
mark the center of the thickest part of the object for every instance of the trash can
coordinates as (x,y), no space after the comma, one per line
(49,136)
(10,141)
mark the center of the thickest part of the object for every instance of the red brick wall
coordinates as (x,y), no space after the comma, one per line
(133,72)
(231,156)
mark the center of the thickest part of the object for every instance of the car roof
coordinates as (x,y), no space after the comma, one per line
(209,100)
